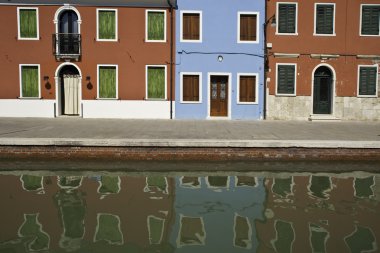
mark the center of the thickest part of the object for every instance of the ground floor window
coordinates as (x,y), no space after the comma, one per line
(191,87)
(30,81)
(286,79)
(156,82)
(107,81)
(368,80)
(247,88)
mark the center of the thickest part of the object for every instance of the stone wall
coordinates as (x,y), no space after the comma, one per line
(345,108)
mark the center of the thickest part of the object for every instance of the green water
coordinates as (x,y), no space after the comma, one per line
(98,211)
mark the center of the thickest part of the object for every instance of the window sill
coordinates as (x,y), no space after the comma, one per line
(367,96)
(327,35)
(109,99)
(190,41)
(247,103)
(247,42)
(287,34)
(191,102)
(286,95)
(30,98)
(106,40)
(28,38)
(156,41)
(155,99)
(369,35)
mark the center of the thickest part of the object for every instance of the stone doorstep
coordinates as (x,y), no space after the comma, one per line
(323,117)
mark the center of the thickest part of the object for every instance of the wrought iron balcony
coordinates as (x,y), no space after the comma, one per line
(67,45)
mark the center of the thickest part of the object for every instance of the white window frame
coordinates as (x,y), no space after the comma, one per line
(315,20)
(117,81)
(256,75)
(200,25)
(360,21)
(146,25)
(278,18)
(295,80)
(377,81)
(199,74)
(39,80)
(257,27)
(146,83)
(97,25)
(18,23)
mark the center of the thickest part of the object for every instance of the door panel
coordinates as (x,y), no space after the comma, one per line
(322,95)
(219,96)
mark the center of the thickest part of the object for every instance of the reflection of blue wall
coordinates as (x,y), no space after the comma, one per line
(219,35)
(218,208)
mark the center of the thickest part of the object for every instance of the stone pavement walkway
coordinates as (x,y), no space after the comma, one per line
(206,133)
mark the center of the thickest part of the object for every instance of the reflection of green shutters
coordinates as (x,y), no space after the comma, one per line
(156,229)
(31,183)
(319,186)
(286,79)
(109,229)
(28,23)
(38,240)
(363,187)
(156,25)
(282,186)
(29,81)
(109,185)
(107,82)
(107,24)
(362,240)
(157,182)
(370,19)
(324,19)
(287,18)
(285,237)
(318,238)
(367,81)
(156,82)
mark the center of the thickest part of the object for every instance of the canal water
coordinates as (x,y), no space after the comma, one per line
(228,212)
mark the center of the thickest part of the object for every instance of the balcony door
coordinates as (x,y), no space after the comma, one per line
(68,33)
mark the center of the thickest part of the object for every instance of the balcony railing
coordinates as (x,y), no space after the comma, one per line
(67,45)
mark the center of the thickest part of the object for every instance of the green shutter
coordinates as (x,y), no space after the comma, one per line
(156,82)
(325,19)
(370,20)
(286,81)
(28,23)
(287,18)
(367,81)
(107,25)
(156,227)
(156,26)
(29,77)
(107,82)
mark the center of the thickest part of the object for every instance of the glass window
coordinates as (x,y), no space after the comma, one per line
(107,81)
(30,81)
(107,26)
(287,18)
(156,26)
(156,86)
(28,23)
(370,20)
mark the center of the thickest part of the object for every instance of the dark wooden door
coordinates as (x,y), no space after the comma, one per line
(219,96)
(322,91)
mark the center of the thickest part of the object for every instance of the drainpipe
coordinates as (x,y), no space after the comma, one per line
(171,57)
(265,63)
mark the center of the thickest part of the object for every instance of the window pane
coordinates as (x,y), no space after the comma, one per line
(247,89)
(107,25)
(29,81)
(287,18)
(156,26)
(191,26)
(370,20)
(248,27)
(367,81)
(325,19)
(285,79)
(190,88)
(156,82)
(107,82)
(28,23)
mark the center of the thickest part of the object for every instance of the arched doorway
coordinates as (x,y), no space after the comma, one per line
(323,90)
(68,83)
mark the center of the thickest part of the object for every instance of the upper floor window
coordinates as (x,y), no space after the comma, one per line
(191,28)
(286,18)
(155,30)
(368,80)
(248,27)
(30,80)
(27,23)
(106,25)
(324,23)
(370,20)
(286,79)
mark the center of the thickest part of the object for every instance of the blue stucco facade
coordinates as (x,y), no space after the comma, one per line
(219,37)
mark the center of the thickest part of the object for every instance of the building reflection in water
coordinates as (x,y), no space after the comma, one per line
(215,213)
